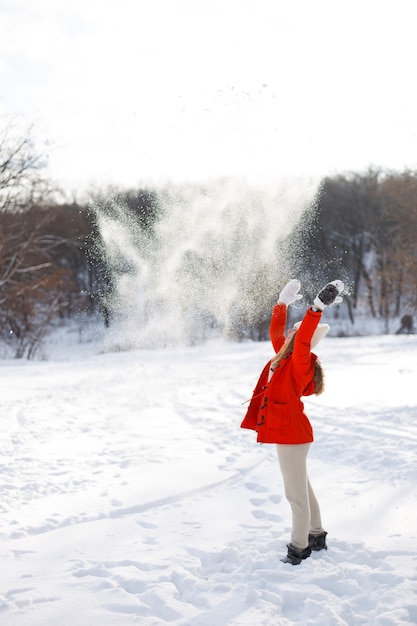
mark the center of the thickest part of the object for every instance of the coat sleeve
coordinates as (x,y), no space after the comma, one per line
(301,357)
(277,326)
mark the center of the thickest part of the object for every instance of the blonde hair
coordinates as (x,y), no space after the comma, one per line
(286,349)
(318,376)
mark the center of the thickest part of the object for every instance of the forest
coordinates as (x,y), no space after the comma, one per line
(53,265)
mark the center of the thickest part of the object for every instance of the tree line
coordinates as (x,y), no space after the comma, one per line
(364,225)
(52,263)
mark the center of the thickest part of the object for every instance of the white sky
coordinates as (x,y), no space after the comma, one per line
(127,91)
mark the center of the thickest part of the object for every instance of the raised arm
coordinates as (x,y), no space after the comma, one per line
(287,296)
(277,326)
(301,357)
(330,294)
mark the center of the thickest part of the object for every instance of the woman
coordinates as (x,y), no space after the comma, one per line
(276,411)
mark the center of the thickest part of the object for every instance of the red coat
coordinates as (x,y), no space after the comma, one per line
(276,411)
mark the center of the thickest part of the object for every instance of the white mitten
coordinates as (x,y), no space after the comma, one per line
(330,294)
(289,293)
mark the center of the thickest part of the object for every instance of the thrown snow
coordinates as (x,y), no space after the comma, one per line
(129,494)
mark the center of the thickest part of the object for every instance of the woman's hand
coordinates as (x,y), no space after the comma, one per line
(330,294)
(289,293)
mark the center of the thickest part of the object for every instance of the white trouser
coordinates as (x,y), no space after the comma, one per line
(299,493)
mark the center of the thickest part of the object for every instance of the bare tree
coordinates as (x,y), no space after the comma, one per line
(31,286)
(398,266)
(21,181)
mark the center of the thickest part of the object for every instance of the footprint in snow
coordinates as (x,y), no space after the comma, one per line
(256,487)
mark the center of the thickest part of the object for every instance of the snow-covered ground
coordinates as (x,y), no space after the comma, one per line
(129,494)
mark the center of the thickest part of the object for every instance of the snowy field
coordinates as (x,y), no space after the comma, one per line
(129,494)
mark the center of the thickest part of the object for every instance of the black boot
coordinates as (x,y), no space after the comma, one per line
(317,542)
(295,556)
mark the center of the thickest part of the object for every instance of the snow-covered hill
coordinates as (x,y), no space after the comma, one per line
(129,494)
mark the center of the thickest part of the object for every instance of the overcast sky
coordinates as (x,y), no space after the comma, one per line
(155,90)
